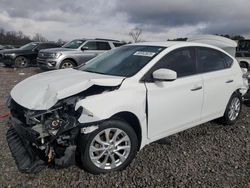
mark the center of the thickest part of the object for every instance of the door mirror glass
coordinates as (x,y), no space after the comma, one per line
(84,48)
(164,75)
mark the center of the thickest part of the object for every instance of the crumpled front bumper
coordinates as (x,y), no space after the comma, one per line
(28,158)
(19,139)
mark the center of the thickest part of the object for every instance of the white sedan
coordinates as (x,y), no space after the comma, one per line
(107,110)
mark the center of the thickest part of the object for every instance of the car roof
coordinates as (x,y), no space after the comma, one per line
(179,44)
(175,43)
(99,39)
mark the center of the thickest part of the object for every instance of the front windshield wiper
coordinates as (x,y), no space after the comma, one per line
(95,72)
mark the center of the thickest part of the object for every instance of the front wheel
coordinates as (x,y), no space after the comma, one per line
(233,109)
(21,62)
(67,64)
(109,148)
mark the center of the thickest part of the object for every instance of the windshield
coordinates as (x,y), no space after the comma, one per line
(124,61)
(29,46)
(74,44)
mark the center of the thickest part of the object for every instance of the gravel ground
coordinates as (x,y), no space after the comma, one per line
(209,155)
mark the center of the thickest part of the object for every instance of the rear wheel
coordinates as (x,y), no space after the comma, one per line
(233,109)
(21,62)
(67,64)
(109,148)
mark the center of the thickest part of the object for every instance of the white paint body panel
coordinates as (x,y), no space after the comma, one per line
(42,91)
(172,106)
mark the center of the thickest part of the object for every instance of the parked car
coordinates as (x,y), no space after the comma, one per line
(74,53)
(25,55)
(103,112)
(4,47)
(243,53)
(247,95)
(243,58)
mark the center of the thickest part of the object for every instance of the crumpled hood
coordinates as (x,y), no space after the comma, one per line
(42,91)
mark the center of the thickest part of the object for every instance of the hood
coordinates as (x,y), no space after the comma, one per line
(53,50)
(42,91)
(15,50)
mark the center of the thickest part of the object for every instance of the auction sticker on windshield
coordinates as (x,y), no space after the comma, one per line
(146,54)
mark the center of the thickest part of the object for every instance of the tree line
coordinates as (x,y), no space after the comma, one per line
(18,38)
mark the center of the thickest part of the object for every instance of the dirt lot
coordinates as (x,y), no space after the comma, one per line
(210,155)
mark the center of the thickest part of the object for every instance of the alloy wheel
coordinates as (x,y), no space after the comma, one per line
(110,148)
(67,64)
(234,109)
(21,62)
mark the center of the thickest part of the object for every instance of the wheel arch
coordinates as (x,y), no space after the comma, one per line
(71,59)
(133,121)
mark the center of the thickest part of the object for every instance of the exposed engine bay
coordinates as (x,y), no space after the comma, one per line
(39,138)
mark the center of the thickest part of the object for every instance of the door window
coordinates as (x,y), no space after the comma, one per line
(182,61)
(103,46)
(91,45)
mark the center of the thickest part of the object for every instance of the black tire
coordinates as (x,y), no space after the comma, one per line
(67,63)
(85,141)
(230,120)
(21,62)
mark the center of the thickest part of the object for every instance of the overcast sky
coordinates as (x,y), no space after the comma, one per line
(159,19)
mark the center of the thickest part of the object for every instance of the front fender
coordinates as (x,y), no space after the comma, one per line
(104,105)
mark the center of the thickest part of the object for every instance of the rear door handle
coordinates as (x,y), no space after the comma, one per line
(196,88)
(229,81)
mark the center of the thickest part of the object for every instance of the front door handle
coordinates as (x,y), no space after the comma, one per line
(229,81)
(196,88)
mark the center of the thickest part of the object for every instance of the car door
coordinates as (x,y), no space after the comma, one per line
(218,81)
(94,48)
(90,50)
(35,51)
(175,105)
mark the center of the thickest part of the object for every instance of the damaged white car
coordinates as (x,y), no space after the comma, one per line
(100,114)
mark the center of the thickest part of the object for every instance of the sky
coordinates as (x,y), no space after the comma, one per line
(159,19)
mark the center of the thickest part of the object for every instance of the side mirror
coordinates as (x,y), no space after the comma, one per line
(164,75)
(84,48)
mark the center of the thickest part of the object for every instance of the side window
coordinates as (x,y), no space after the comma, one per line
(49,46)
(43,46)
(210,60)
(228,60)
(103,46)
(182,61)
(116,44)
(91,45)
